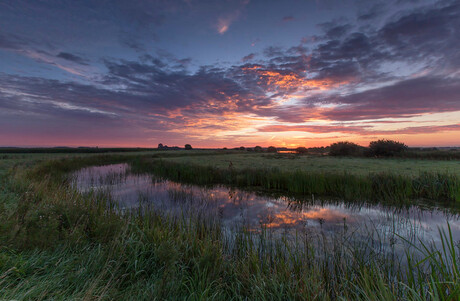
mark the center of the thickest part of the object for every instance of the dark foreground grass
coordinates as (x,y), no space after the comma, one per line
(60,245)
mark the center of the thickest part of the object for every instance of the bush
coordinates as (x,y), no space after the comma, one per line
(272,149)
(301,150)
(386,148)
(345,148)
(188,146)
(258,148)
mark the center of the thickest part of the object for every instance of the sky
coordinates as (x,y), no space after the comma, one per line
(229,73)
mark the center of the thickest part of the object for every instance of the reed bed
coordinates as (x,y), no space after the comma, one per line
(378,187)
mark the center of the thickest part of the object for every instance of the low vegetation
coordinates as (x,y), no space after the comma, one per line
(56,243)
(378,187)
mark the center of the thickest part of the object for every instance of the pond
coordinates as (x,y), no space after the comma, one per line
(381,226)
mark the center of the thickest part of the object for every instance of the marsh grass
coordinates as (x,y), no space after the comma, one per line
(378,187)
(60,244)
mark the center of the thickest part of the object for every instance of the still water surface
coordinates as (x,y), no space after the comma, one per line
(280,215)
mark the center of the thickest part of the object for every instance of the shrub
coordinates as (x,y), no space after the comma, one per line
(258,148)
(301,150)
(386,148)
(345,148)
(188,146)
(272,149)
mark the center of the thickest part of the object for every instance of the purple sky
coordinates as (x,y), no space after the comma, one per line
(229,73)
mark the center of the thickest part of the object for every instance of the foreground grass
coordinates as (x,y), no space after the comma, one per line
(57,244)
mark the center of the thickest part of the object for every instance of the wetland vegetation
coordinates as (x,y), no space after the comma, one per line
(61,240)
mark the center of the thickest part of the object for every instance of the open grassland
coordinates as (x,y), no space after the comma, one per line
(58,244)
(312,163)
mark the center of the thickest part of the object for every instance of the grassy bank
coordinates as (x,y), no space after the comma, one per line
(58,244)
(374,186)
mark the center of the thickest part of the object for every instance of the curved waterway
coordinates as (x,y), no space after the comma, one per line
(280,215)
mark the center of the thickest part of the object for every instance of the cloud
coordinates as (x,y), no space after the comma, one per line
(407,67)
(73,58)
(288,18)
(360,130)
(248,57)
(410,97)
(224,22)
(11,42)
(334,30)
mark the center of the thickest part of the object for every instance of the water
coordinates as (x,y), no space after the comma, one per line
(382,227)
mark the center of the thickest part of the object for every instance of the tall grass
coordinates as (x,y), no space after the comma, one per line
(387,187)
(59,244)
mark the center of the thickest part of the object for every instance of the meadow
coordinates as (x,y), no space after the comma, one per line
(325,164)
(59,244)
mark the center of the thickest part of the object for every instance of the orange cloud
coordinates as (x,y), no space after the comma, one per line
(289,80)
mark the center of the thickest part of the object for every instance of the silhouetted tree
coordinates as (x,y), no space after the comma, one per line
(242,148)
(345,148)
(188,146)
(258,148)
(272,149)
(160,145)
(301,150)
(386,148)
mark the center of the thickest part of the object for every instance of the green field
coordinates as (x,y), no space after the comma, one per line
(57,244)
(290,162)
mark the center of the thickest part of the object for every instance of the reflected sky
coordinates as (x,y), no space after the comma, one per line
(237,209)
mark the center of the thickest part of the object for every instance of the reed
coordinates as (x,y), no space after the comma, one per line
(378,187)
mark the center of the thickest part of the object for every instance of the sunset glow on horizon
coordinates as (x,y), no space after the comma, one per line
(229,73)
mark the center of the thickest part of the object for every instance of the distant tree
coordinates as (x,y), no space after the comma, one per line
(271,149)
(188,146)
(242,148)
(301,150)
(386,148)
(345,148)
(249,149)
(258,148)
(160,145)
(224,148)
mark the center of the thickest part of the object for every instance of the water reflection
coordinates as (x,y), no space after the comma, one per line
(278,214)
